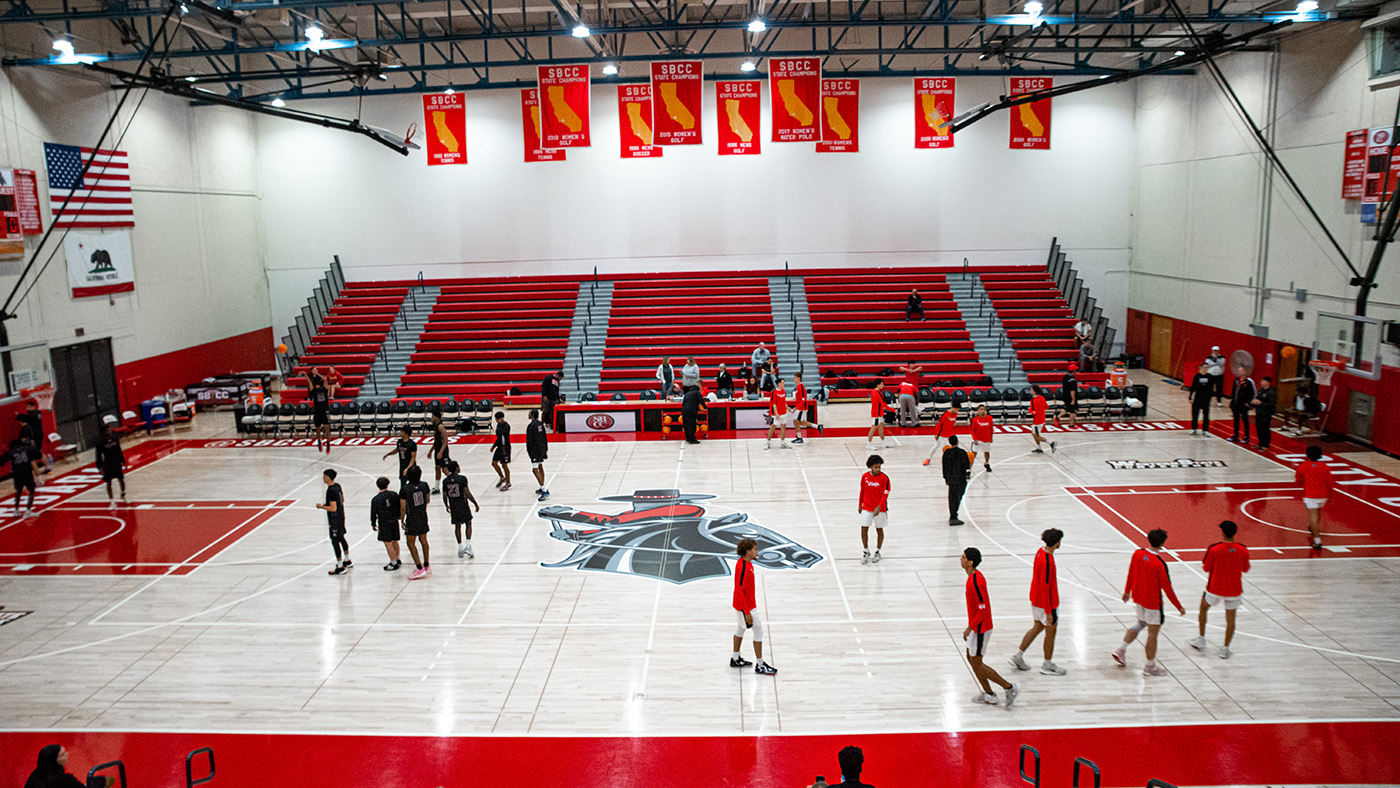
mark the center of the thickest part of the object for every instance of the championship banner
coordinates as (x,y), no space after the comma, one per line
(794,95)
(99,263)
(31,222)
(530,120)
(564,106)
(739,110)
(678,92)
(1030,123)
(634,118)
(1377,184)
(1354,166)
(933,112)
(11,238)
(445,118)
(840,116)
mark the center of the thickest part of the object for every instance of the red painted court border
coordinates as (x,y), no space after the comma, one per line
(1218,754)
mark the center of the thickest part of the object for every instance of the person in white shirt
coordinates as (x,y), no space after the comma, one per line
(756,361)
(1215,367)
(666,375)
(1083,332)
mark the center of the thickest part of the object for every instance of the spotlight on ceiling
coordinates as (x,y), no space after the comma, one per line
(758,25)
(609,69)
(277,102)
(748,65)
(581,30)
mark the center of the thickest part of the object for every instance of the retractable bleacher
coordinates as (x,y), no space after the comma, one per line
(349,337)
(718,317)
(1037,320)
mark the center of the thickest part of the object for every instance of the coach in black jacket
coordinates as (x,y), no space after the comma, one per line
(957,469)
(1265,403)
(1241,395)
(549,396)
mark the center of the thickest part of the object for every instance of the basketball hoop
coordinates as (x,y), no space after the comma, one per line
(1324,370)
(42,395)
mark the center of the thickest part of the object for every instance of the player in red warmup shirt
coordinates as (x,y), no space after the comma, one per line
(878,406)
(1045,605)
(944,428)
(979,632)
(1225,562)
(982,437)
(1038,408)
(799,408)
(746,606)
(1316,479)
(777,415)
(873,506)
(1148,579)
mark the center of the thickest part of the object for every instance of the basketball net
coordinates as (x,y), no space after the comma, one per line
(42,395)
(1323,371)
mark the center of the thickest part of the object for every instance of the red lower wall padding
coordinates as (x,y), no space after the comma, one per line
(148,377)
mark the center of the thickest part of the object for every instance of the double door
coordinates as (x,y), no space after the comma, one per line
(85,389)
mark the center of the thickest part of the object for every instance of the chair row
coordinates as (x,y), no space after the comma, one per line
(371,418)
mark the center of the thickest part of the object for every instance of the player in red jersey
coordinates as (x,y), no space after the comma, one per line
(746,606)
(1148,579)
(878,406)
(873,506)
(944,428)
(1316,479)
(982,437)
(799,408)
(1225,562)
(1038,408)
(979,632)
(777,415)
(1045,604)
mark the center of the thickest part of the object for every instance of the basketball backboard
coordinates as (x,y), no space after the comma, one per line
(1350,339)
(25,366)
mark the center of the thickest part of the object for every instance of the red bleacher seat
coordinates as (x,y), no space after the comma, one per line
(1037,320)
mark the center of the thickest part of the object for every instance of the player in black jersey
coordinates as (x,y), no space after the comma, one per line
(23,458)
(321,393)
(384,520)
(537,447)
(413,513)
(457,497)
(407,450)
(111,462)
(439,451)
(500,452)
(335,518)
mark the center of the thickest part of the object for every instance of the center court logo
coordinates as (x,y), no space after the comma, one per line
(600,421)
(668,537)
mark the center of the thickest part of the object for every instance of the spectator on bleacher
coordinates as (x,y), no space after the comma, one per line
(549,396)
(751,387)
(690,374)
(724,381)
(666,375)
(50,772)
(914,306)
(1083,331)
(1215,367)
(770,374)
(1088,359)
(759,356)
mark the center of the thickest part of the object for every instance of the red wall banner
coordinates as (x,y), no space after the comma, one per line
(739,110)
(794,94)
(31,222)
(634,120)
(530,122)
(933,111)
(1030,123)
(445,119)
(677,89)
(564,106)
(840,116)
(1353,168)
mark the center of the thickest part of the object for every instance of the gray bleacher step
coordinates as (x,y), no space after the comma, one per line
(794,344)
(588,340)
(388,369)
(989,338)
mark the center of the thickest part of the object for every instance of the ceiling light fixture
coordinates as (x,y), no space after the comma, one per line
(1034,7)
(748,65)
(277,102)
(757,25)
(449,91)
(1307,6)
(609,69)
(581,30)
(1179,52)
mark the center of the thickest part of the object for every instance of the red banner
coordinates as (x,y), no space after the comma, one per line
(678,92)
(31,222)
(933,111)
(634,120)
(1378,186)
(840,116)
(1354,166)
(445,119)
(530,121)
(739,110)
(1030,123)
(564,106)
(794,94)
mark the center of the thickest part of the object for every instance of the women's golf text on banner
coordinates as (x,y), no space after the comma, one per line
(677,96)
(564,106)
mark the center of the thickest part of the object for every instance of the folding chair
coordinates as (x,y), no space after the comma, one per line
(384,418)
(1113,402)
(301,419)
(64,450)
(157,420)
(181,417)
(1093,403)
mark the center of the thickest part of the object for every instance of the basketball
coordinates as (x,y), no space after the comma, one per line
(281,350)
(1288,351)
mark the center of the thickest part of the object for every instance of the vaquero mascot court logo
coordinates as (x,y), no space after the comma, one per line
(667,536)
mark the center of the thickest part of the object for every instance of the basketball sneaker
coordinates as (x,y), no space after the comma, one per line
(989,698)
(505,486)
(875,559)
(1120,655)
(955,521)
(1011,693)
(1049,668)
(988,466)
(427,571)
(437,491)
(1198,643)
(1019,662)
(544,494)
(1037,450)
(764,669)
(783,445)
(470,554)
(348,562)
(338,570)
(1224,652)
(418,574)
(739,662)
(871,447)
(1154,670)
(820,430)
(865,559)
(798,440)
(1052,447)
(926,462)
(391,566)
(461,551)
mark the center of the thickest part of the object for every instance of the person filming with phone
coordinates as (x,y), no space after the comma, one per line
(852,762)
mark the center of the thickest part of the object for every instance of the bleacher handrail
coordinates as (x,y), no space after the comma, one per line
(1022,765)
(190,782)
(101,767)
(1098,778)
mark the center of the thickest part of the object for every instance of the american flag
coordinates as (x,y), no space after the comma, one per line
(101,196)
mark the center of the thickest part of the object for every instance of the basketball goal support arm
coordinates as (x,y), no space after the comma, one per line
(1385,231)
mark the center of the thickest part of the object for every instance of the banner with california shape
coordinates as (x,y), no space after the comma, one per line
(564,106)
(739,111)
(933,112)
(445,118)
(634,121)
(794,94)
(840,116)
(530,121)
(1030,123)
(677,89)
